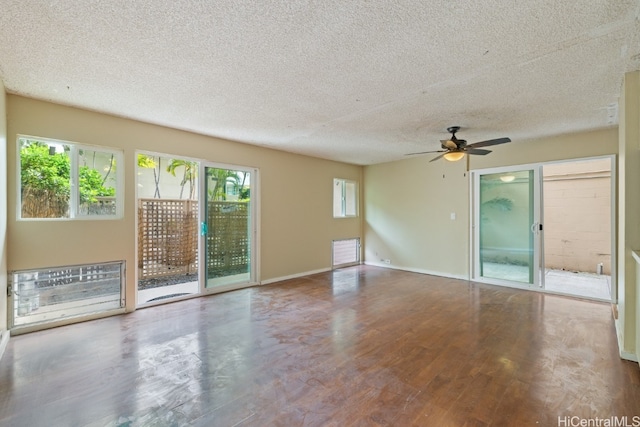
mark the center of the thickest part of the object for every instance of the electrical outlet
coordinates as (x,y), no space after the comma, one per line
(386,261)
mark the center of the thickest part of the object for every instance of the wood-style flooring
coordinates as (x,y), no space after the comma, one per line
(362,346)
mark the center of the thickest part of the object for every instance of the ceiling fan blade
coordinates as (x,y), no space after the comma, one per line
(426,152)
(489,142)
(448,143)
(437,157)
(477,151)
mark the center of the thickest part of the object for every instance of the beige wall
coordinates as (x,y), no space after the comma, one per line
(296,219)
(408,203)
(3,212)
(577,215)
(408,206)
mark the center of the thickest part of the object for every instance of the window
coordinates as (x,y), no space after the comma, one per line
(64,180)
(345,198)
(50,294)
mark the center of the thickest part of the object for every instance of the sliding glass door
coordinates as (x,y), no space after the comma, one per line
(507,231)
(227,227)
(573,254)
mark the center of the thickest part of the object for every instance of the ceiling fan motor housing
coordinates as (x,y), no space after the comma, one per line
(453,143)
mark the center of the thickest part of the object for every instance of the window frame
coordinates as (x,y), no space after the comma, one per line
(74,178)
(344,198)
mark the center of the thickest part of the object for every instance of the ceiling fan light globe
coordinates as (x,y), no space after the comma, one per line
(454,156)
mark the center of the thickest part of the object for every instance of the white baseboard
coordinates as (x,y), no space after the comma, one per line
(294,276)
(4,340)
(623,354)
(418,270)
(628,356)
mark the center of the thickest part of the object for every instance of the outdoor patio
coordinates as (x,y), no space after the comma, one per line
(580,284)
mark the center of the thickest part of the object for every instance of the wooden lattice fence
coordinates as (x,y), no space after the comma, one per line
(228,238)
(168,238)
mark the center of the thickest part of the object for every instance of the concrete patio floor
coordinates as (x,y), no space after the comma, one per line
(580,284)
(589,285)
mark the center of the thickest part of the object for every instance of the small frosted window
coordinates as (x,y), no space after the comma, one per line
(345,198)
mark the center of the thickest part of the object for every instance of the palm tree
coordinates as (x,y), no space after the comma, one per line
(189,175)
(221,177)
(147,162)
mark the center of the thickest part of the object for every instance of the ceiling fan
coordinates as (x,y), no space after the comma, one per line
(455,148)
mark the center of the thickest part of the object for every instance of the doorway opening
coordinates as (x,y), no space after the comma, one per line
(167,228)
(577,218)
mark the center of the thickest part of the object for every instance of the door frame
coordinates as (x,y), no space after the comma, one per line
(254,212)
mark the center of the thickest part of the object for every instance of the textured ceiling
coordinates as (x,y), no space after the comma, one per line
(356,81)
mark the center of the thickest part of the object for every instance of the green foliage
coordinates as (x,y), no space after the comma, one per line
(45,178)
(245,194)
(145,161)
(44,171)
(221,177)
(188,176)
(91,187)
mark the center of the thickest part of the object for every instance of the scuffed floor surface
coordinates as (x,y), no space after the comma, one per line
(354,347)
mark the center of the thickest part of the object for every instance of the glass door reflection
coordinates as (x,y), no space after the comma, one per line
(507,228)
(226,227)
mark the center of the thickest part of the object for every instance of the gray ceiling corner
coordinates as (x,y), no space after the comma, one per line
(358,82)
